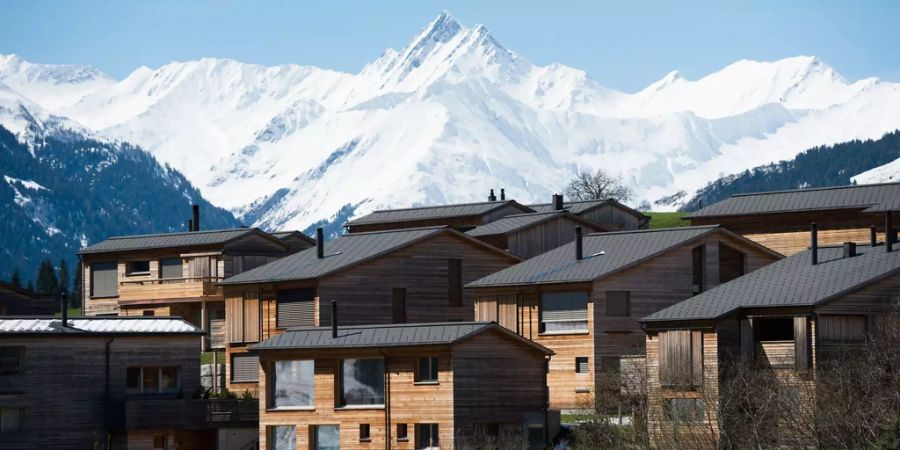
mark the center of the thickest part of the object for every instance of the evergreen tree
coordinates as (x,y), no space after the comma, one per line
(76,286)
(47,282)
(16,279)
(30,287)
(63,277)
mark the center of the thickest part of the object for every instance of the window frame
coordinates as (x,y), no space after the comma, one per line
(270,431)
(542,321)
(627,303)
(160,266)
(399,307)
(587,363)
(433,434)
(232,365)
(159,380)
(668,409)
(20,412)
(114,267)
(13,352)
(314,434)
(455,294)
(402,437)
(280,299)
(365,432)
(341,383)
(131,272)
(698,269)
(273,384)
(433,370)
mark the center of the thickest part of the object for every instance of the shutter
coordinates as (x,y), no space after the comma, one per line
(245,368)
(832,328)
(747,344)
(170,268)
(617,303)
(675,358)
(399,305)
(801,344)
(486,308)
(251,317)
(581,364)
(104,279)
(697,357)
(566,306)
(454,275)
(234,313)
(295,308)
(506,311)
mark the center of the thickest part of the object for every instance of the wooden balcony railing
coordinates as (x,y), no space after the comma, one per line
(169,288)
(155,414)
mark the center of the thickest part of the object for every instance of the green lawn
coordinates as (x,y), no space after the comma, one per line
(73,312)
(667,219)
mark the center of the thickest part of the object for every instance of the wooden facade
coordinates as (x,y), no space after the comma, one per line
(15,301)
(461,222)
(613,330)
(540,237)
(486,383)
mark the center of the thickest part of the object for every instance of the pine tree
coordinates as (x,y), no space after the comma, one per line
(76,286)
(63,277)
(29,287)
(16,279)
(47,282)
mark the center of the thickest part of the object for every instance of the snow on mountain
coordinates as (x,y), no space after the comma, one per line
(455,113)
(52,86)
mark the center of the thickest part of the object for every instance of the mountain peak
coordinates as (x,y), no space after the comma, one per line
(441,29)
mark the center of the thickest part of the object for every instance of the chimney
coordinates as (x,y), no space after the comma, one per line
(334,319)
(888,232)
(579,244)
(557,202)
(502,194)
(814,245)
(492,197)
(849,249)
(190,225)
(196,213)
(320,243)
(64,306)
(873,236)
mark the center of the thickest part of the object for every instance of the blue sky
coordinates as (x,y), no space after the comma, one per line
(623,44)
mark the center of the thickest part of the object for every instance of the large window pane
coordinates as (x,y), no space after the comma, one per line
(564,312)
(328,437)
(284,437)
(363,381)
(292,383)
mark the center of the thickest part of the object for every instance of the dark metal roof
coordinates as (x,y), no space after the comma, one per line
(870,197)
(433,212)
(343,252)
(793,281)
(516,222)
(97,326)
(395,335)
(287,234)
(172,240)
(604,254)
(580,207)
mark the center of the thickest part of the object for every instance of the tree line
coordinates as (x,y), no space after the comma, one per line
(52,280)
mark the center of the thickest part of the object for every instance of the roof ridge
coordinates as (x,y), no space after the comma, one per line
(394,230)
(178,233)
(825,188)
(654,230)
(393,325)
(498,202)
(573,201)
(536,213)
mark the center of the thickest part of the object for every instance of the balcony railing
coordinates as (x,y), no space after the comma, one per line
(196,414)
(169,288)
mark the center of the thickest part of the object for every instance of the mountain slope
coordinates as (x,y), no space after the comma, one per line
(825,166)
(455,113)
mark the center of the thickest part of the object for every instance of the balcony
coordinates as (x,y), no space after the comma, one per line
(170,288)
(194,414)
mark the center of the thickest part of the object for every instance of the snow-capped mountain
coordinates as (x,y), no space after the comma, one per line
(449,116)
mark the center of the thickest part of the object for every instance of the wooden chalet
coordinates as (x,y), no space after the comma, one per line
(780,220)
(609,214)
(381,277)
(463,216)
(583,300)
(15,301)
(172,274)
(407,386)
(787,318)
(530,234)
(108,382)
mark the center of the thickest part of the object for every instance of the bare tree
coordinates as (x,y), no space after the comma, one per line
(598,185)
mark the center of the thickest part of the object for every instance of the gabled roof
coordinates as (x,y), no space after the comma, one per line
(394,335)
(343,252)
(604,254)
(793,281)
(869,197)
(174,240)
(97,326)
(582,206)
(516,222)
(433,212)
(293,234)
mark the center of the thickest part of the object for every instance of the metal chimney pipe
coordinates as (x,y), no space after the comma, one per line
(873,236)
(849,249)
(502,194)
(814,245)
(334,319)
(579,244)
(196,216)
(190,225)
(320,243)
(888,232)
(64,306)
(557,202)
(492,197)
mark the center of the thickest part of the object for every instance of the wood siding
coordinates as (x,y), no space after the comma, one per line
(545,236)
(613,218)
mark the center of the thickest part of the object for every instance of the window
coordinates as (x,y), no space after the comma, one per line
(295,308)
(454,280)
(283,437)
(685,409)
(326,437)
(362,382)
(697,269)
(292,384)
(731,263)
(104,279)
(563,312)
(152,380)
(536,439)
(487,430)
(364,433)
(148,313)
(137,268)
(776,329)
(426,436)
(399,304)
(832,328)
(10,360)
(159,441)
(170,268)
(618,303)
(402,433)
(581,364)
(11,420)
(245,368)
(427,369)
(681,358)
